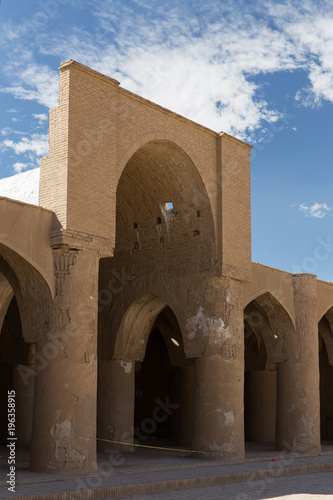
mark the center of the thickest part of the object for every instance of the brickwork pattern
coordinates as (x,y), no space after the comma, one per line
(95,131)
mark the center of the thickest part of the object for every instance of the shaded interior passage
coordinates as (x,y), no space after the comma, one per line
(14,358)
(155,387)
(259,391)
(326,393)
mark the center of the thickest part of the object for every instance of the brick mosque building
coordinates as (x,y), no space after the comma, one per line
(129,305)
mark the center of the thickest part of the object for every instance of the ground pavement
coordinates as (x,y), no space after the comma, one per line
(300,487)
(157,474)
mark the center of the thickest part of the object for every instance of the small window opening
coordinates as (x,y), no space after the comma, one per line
(168,210)
(198,213)
(158,220)
(135,225)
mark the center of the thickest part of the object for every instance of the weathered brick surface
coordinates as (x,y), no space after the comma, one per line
(109,254)
(100,131)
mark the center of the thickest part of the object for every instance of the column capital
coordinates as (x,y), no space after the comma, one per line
(70,239)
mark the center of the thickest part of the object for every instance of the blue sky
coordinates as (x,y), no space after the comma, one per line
(262,71)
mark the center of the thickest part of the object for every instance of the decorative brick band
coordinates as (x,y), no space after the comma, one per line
(81,241)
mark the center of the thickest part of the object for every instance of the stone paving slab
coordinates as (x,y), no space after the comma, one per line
(317,486)
(147,471)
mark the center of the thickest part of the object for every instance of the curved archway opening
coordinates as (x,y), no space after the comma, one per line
(25,300)
(146,388)
(158,402)
(32,292)
(164,230)
(259,390)
(266,325)
(164,220)
(325,332)
(15,359)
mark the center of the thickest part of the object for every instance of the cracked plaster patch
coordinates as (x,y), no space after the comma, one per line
(127,366)
(212,327)
(229,417)
(60,432)
(64,452)
(228,448)
(308,427)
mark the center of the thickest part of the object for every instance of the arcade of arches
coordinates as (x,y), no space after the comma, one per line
(130,310)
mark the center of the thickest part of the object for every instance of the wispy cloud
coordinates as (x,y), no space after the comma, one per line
(310,27)
(316,210)
(35,83)
(41,118)
(200,60)
(8,130)
(36,144)
(203,72)
(18,167)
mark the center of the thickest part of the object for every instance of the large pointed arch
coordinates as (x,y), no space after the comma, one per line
(25,313)
(268,332)
(32,292)
(325,334)
(136,326)
(157,173)
(25,240)
(325,327)
(266,314)
(6,295)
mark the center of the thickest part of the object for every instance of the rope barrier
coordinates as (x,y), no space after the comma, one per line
(139,445)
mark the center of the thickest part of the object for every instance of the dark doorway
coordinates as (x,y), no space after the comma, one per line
(156,393)
(326,393)
(259,390)
(14,355)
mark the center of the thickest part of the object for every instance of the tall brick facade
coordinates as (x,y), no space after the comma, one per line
(141,313)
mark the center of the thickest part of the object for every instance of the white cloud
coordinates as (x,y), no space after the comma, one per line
(35,83)
(317,210)
(310,27)
(18,167)
(232,45)
(36,144)
(198,60)
(206,78)
(20,92)
(41,117)
(8,130)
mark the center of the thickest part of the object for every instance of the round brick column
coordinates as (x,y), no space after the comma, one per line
(298,408)
(116,385)
(187,405)
(65,403)
(219,406)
